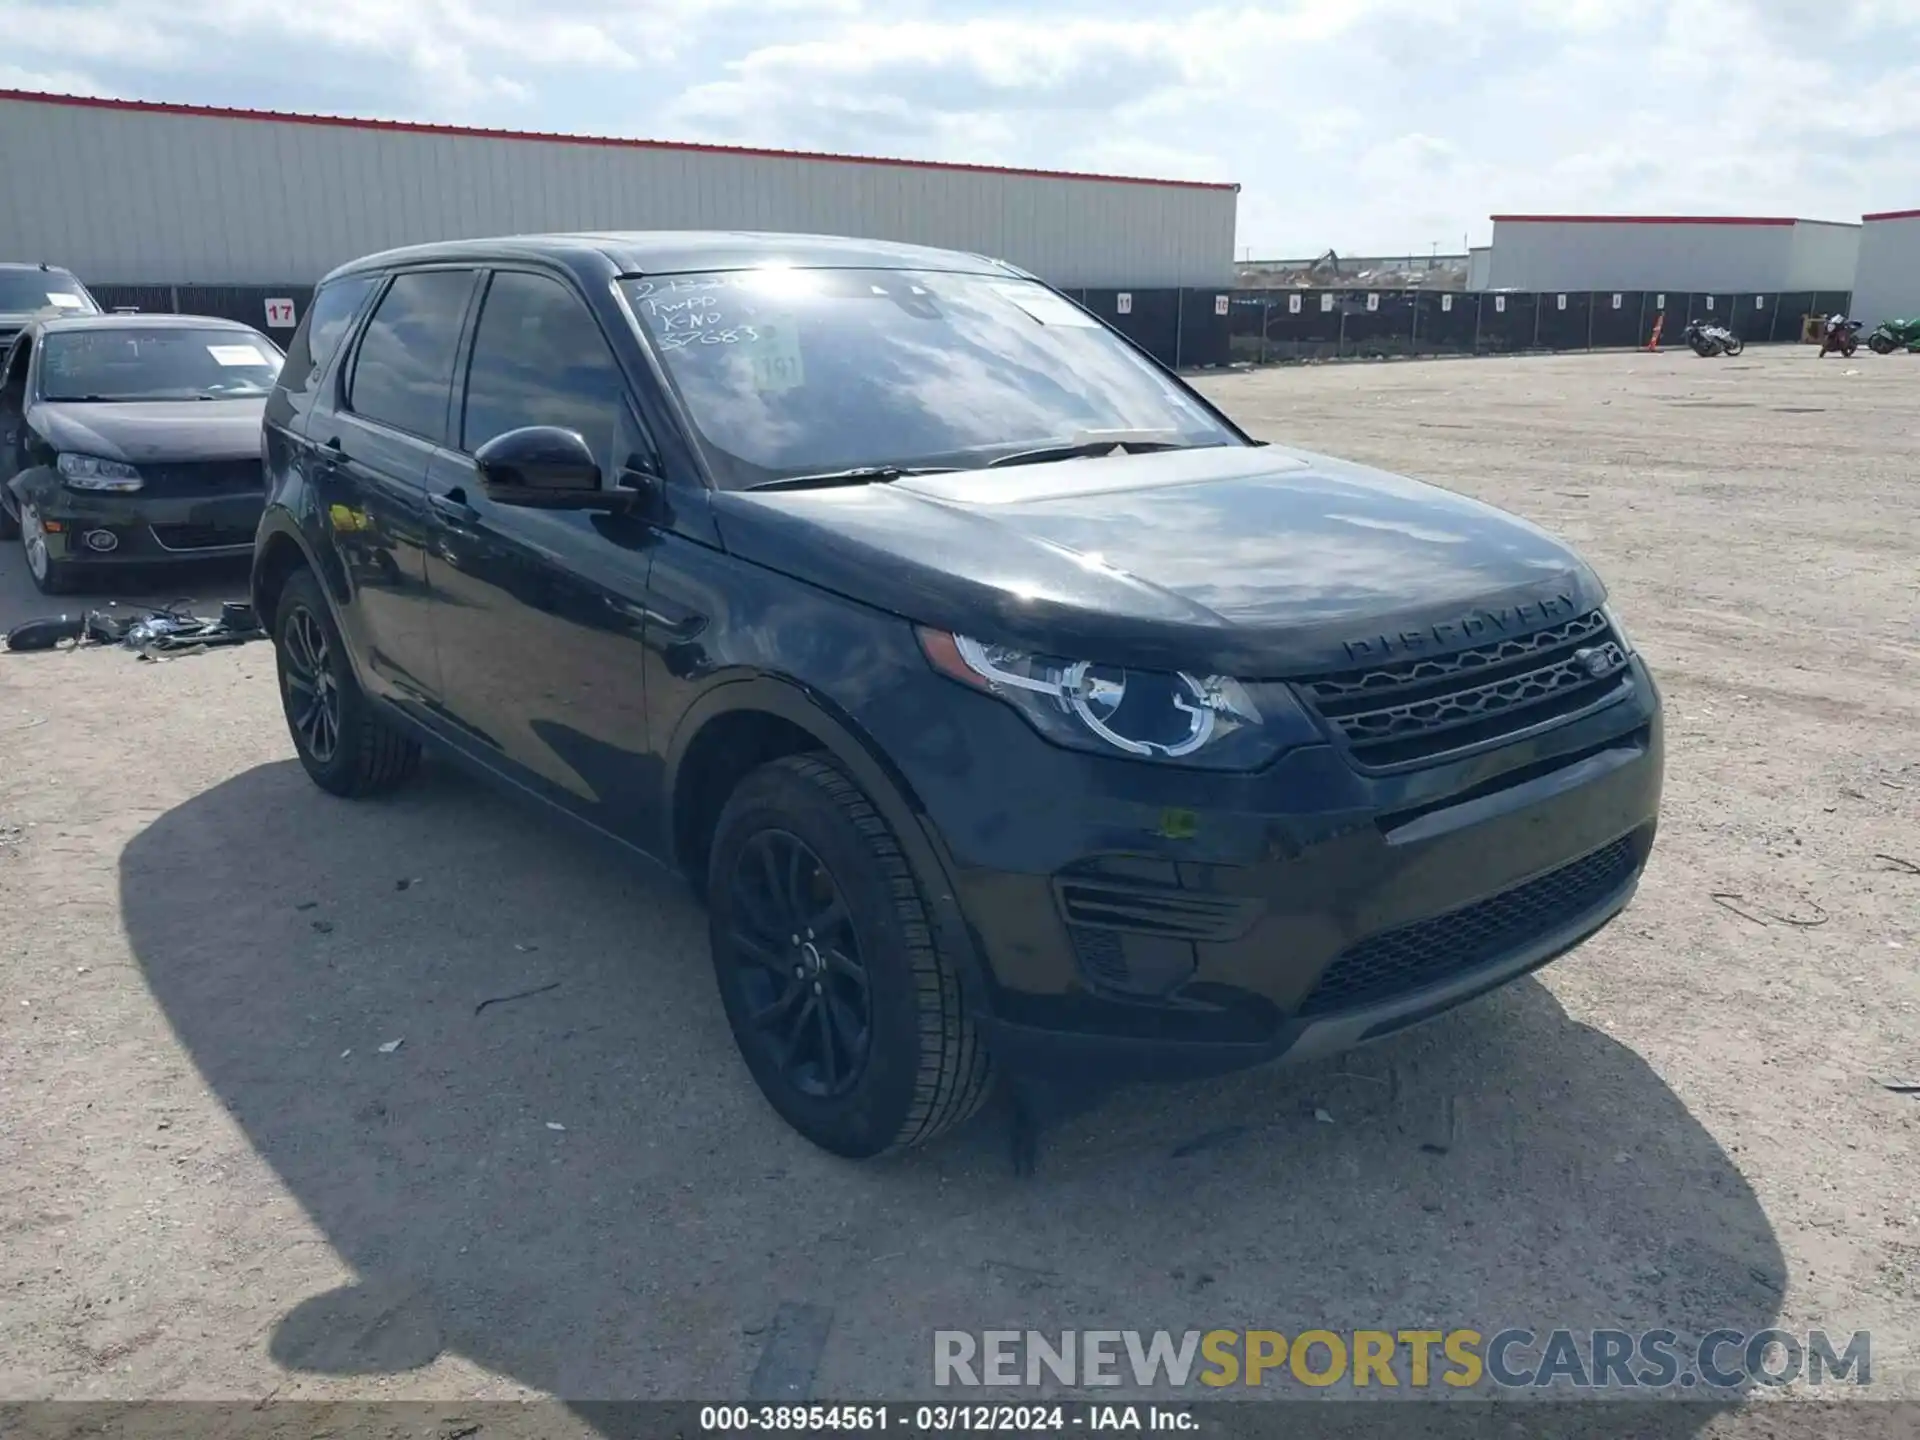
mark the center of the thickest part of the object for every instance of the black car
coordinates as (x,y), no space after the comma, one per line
(131,440)
(1002,698)
(28,292)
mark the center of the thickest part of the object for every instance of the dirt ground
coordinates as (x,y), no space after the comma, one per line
(258,1137)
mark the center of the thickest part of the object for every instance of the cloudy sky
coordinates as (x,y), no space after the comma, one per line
(1366,125)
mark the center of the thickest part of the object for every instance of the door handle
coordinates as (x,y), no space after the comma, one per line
(452,504)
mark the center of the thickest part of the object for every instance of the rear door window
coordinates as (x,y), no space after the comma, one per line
(403,371)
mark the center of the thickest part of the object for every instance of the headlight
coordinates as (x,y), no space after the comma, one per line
(1212,721)
(89,472)
(1619,630)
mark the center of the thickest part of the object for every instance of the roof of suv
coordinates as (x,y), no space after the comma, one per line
(664,252)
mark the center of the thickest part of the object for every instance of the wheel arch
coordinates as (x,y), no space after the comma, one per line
(741,724)
(281,547)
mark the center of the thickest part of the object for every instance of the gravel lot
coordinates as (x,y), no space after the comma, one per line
(220,1177)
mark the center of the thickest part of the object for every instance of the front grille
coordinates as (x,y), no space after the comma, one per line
(1429,951)
(205,477)
(1155,910)
(1416,711)
(201,537)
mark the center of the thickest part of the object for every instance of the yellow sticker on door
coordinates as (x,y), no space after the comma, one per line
(775,355)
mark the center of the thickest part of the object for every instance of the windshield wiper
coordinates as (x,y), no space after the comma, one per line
(1133,442)
(858,475)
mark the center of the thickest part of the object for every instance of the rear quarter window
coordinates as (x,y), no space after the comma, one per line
(324,326)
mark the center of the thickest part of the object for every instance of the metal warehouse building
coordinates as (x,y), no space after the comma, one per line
(1712,254)
(1887,284)
(145,194)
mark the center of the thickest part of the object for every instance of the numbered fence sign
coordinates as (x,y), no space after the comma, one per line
(1500,303)
(1326,304)
(1709,302)
(280,315)
(1124,305)
(1659,302)
(1293,304)
(1560,302)
(1616,299)
(1373,300)
(1759,302)
(1219,304)
(1446,304)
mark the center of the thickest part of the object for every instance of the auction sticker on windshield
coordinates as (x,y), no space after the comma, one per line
(236,355)
(63,301)
(774,354)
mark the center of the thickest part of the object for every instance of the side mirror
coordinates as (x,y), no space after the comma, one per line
(540,465)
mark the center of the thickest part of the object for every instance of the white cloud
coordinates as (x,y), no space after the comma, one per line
(1362,124)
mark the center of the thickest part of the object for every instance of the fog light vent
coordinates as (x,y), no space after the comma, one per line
(101,541)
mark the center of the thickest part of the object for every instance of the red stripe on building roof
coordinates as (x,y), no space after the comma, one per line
(1894,215)
(1650,220)
(414,127)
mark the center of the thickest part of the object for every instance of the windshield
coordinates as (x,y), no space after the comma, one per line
(157,364)
(54,291)
(800,372)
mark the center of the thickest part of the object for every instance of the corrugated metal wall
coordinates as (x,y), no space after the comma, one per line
(1888,283)
(1479,266)
(1626,255)
(1825,256)
(146,196)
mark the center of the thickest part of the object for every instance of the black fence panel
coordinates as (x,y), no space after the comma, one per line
(1615,320)
(1445,323)
(1247,326)
(1303,325)
(1667,310)
(1790,313)
(1751,316)
(1378,323)
(1564,320)
(1205,327)
(151,298)
(1507,320)
(1149,318)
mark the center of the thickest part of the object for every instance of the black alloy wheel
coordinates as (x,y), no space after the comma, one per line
(847,1009)
(345,744)
(312,693)
(803,979)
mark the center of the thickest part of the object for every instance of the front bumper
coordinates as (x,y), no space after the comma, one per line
(147,529)
(1140,921)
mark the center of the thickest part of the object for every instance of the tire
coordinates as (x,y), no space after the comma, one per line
(1735,345)
(1880,344)
(881,1053)
(49,576)
(346,747)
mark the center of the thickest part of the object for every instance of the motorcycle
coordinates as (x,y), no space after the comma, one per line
(1840,336)
(1710,340)
(1891,335)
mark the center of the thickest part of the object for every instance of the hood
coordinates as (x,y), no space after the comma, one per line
(152,431)
(1260,562)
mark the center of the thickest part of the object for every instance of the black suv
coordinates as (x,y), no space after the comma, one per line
(1000,695)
